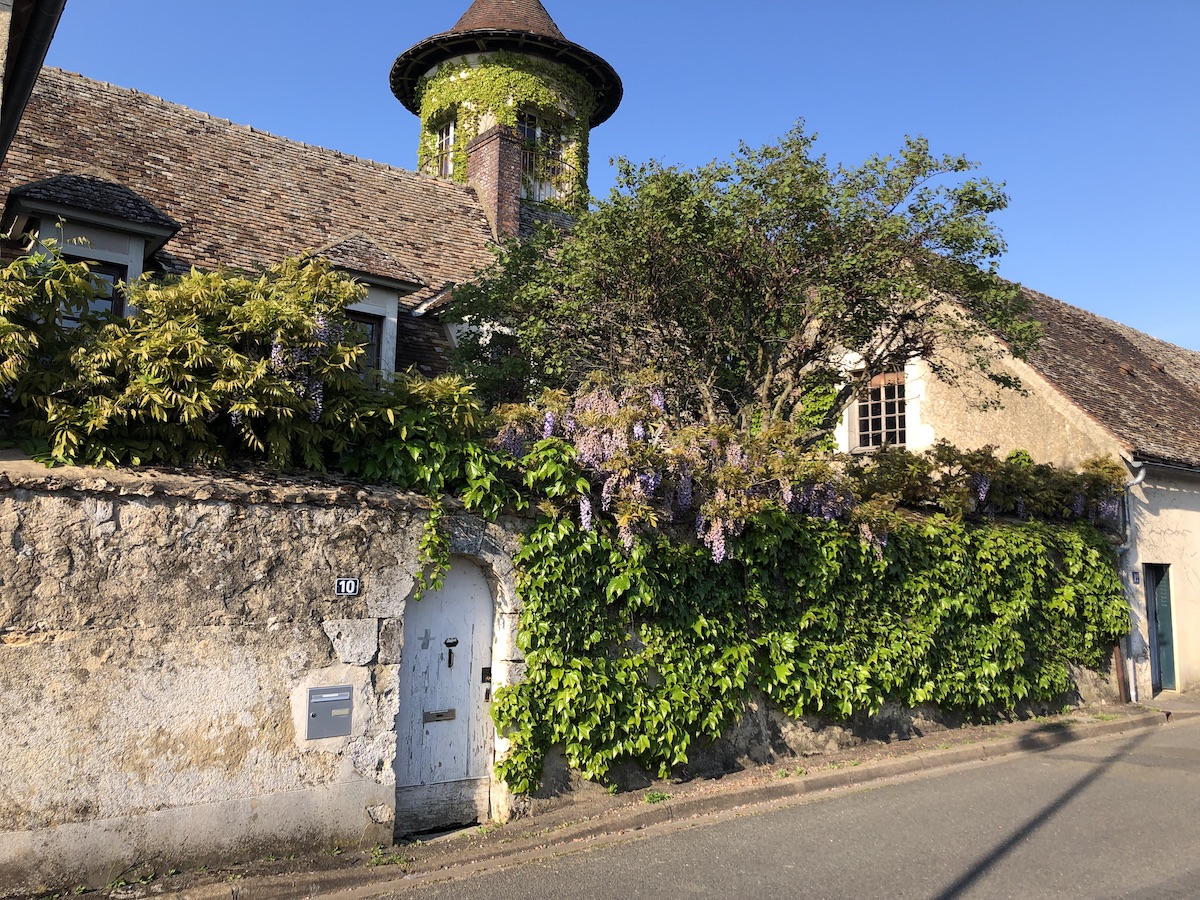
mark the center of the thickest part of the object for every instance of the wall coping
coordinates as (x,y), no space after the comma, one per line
(243,486)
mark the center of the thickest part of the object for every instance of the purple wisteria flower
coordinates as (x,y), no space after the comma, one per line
(626,535)
(822,501)
(683,492)
(548,423)
(715,540)
(607,492)
(585,513)
(511,441)
(1109,509)
(649,482)
(980,485)
(318,398)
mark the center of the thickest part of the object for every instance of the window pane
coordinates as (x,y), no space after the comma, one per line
(881,412)
(370,333)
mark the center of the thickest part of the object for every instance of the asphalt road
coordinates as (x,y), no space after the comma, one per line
(1108,818)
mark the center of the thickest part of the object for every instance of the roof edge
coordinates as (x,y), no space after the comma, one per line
(413,64)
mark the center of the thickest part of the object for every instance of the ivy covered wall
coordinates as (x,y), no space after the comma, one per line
(495,89)
(639,655)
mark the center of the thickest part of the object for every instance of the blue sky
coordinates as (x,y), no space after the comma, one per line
(1089,110)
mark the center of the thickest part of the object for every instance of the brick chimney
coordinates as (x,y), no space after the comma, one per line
(494,171)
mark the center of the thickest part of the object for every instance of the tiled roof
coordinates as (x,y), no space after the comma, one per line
(248,198)
(358,253)
(1143,391)
(513,15)
(97,196)
(534,215)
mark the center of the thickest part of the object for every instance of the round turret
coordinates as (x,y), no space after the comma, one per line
(506,65)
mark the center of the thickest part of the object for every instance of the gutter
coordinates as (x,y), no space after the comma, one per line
(24,70)
(1122,551)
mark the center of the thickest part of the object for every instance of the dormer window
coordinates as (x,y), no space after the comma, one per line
(542,166)
(102,223)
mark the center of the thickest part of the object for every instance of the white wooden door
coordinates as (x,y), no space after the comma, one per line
(444,727)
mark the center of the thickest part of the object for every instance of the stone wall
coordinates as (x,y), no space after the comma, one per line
(158,635)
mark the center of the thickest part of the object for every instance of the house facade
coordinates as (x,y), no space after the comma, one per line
(271,704)
(1092,388)
(215,669)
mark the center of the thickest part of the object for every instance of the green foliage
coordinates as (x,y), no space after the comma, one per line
(208,367)
(636,649)
(749,283)
(33,291)
(636,656)
(977,482)
(434,553)
(216,367)
(501,86)
(648,470)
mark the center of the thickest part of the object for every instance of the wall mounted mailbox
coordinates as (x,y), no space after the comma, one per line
(330,712)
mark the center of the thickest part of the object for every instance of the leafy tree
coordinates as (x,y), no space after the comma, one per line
(750,284)
(213,367)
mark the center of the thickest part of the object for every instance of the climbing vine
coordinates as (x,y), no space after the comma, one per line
(505,85)
(639,654)
(678,569)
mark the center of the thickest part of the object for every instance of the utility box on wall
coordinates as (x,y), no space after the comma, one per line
(330,712)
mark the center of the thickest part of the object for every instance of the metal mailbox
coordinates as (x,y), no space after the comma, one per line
(330,712)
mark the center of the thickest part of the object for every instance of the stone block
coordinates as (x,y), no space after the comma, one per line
(355,641)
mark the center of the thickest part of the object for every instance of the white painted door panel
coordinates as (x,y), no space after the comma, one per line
(444,730)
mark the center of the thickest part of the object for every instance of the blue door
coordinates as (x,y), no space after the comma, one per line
(1162,637)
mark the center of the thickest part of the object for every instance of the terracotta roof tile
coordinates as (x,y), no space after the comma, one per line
(1144,391)
(247,198)
(358,253)
(515,15)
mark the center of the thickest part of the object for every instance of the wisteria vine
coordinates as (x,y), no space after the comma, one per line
(648,470)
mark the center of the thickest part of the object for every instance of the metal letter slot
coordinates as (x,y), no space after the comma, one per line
(442,715)
(330,712)
(450,643)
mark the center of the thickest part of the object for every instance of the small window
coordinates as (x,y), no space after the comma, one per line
(370,332)
(444,163)
(881,413)
(106,276)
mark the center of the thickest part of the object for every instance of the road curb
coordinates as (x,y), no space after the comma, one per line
(447,861)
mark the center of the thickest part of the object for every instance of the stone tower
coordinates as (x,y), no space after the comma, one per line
(506,104)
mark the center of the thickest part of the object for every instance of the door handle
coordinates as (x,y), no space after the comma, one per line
(450,643)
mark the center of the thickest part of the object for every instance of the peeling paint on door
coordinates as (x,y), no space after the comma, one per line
(444,727)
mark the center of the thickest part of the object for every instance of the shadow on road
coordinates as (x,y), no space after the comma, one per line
(972,875)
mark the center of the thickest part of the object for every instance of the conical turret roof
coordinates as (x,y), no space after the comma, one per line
(519,26)
(518,15)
